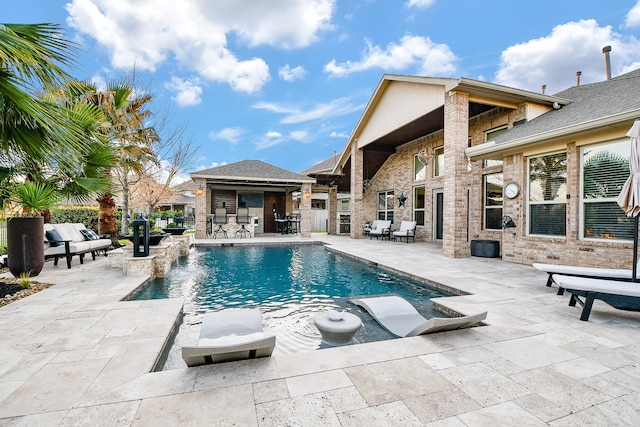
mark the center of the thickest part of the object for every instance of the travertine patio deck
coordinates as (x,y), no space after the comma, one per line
(74,354)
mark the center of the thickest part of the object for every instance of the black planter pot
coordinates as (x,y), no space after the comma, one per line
(176,231)
(154,239)
(25,245)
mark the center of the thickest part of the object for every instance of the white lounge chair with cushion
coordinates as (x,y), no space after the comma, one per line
(401,318)
(590,272)
(227,335)
(381,229)
(621,295)
(407,229)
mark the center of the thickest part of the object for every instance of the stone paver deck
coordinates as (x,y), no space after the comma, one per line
(75,355)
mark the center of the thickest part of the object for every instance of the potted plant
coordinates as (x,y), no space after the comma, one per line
(25,233)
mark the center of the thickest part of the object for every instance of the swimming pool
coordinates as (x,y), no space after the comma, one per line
(290,283)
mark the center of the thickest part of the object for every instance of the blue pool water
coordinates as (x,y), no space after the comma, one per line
(290,283)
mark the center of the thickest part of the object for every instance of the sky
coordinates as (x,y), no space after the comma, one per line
(286,81)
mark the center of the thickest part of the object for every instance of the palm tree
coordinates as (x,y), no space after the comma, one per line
(124,125)
(44,140)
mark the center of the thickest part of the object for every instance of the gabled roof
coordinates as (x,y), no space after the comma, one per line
(592,106)
(188,185)
(481,94)
(251,172)
(325,167)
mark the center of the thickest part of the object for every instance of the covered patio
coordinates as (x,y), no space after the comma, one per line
(268,192)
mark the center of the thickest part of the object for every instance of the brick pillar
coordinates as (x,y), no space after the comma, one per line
(456,175)
(333,210)
(357,208)
(202,202)
(305,211)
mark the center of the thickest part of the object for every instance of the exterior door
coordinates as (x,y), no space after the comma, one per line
(438,215)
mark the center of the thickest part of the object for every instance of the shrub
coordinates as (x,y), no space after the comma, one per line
(88,215)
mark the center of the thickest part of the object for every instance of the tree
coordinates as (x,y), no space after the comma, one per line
(173,153)
(42,140)
(124,125)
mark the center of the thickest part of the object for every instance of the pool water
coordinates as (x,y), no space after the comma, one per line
(290,284)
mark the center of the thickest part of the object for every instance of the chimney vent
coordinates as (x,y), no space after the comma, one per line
(544,87)
(607,61)
(578,74)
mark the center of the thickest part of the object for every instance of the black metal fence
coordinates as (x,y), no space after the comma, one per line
(3,233)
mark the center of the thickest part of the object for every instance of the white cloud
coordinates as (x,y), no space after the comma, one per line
(430,58)
(232,134)
(270,139)
(335,134)
(335,108)
(299,135)
(148,33)
(632,20)
(420,3)
(187,92)
(554,60)
(289,74)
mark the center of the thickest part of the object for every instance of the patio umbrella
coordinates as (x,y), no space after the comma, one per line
(629,198)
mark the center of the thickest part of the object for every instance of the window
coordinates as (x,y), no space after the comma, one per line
(419,169)
(547,194)
(418,205)
(493,201)
(492,133)
(438,161)
(318,204)
(250,200)
(605,168)
(385,205)
(487,163)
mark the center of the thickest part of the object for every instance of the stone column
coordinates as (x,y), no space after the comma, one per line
(333,210)
(357,171)
(203,199)
(305,208)
(456,175)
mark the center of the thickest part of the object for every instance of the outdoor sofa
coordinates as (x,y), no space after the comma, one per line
(68,239)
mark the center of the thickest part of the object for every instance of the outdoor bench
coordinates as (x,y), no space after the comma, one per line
(69,239)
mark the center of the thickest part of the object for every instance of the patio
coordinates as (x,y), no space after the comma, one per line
(74,354)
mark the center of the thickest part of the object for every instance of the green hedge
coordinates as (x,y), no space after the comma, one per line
(88,215)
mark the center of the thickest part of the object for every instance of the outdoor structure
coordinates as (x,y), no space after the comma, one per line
(329,209)
(267,190)
(463,157)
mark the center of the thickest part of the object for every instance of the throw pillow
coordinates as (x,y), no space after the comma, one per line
(53,237)
(89,234)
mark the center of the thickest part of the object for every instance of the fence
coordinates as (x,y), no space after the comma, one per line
(3,233)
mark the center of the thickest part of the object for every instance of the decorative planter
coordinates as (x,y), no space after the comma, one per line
(25,245)
(485,248)
(154,239)
(175,231)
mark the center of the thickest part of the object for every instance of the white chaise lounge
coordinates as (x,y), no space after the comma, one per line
(590,272)
(228,335)
(401,318)
(621,295)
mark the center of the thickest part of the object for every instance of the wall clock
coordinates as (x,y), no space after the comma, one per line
(512,190)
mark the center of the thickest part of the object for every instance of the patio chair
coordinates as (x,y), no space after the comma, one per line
(220,219)
(381,229)
(407,229)
(242,218)
(620,295)
(228,335)
(399,317)
(589,272)
(368,227)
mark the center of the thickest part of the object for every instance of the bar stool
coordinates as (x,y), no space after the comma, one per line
(242,218)
(220,219)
